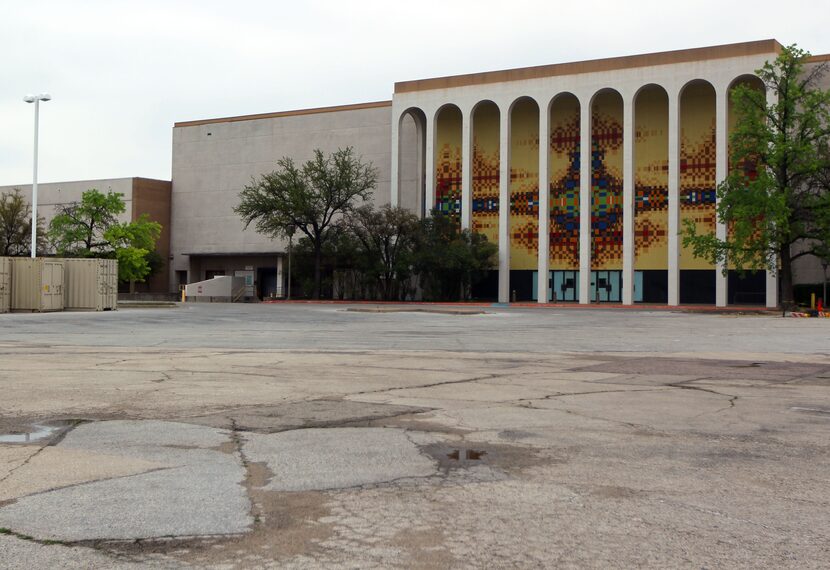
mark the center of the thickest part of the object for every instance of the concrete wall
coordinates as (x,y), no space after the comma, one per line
(140,195)
(52,194)
(214,159)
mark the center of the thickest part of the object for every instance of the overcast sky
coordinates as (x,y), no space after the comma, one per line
(121,73)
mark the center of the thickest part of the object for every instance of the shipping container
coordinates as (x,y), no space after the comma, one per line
(5,284)
(37,284)
(91,284)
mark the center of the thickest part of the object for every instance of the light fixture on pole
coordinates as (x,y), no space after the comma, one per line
(36,99)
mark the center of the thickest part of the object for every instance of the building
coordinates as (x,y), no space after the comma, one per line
(140,195)
(656,127)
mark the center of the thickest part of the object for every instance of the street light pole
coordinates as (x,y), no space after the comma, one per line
(36,99)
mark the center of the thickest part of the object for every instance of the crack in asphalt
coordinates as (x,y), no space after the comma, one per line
(431,385)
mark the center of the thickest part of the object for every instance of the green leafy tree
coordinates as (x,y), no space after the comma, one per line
(78,228)
(309,198)
(16,225)
(90,228)
(775,200)
(448,260)
(133,244)
(386,238)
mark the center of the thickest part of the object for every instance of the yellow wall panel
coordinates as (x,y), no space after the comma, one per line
(697,165)
(564,183)
(485,181)
(524,186)
(606,181)
(651,179)
(448,162)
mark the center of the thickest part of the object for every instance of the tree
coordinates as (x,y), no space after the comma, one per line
(78,228)
(450,261)
(775,200)
(16,225)
(386,238)
(90,228)
(309,198)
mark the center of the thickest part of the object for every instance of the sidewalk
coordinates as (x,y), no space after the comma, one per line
(533,305)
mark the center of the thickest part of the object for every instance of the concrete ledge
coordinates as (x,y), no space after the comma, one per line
(435,310)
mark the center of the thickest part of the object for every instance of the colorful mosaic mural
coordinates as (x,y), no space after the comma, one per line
(606,181)
(448,162)
(697,165)
(651,179)
(485,181)
(564,183)
(524,186)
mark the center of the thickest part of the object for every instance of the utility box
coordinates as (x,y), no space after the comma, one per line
(220,289)
(5,284)
(91,284)
(37,284)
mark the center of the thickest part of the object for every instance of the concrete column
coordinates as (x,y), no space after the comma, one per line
(420,130)
(543,265)
(628,201)
(585,200)
(395,183)
(772,276)
(280,292)
(429,167)
(504,204)
(674,198)
(466,169)
(721,171)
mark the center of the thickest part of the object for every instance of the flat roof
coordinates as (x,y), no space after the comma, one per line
(592,65)
(312,111)
(523,73)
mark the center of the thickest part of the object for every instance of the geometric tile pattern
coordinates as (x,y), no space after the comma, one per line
(564,185)
(485,179)
(606,182)
(448,163)
(651,179)
(697,165)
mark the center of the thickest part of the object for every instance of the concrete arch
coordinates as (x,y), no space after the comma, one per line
(485,166)
(648,86)
(561,95)
(692,83)
(521,99)
(749,78)
(445,107)
(412,124)
(448,168)
(604,91)
(650,180)
(478,104)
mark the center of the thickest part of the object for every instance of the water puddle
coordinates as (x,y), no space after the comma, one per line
(36,433)
(468,454)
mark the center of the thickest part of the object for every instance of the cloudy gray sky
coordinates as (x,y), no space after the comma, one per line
(122,72)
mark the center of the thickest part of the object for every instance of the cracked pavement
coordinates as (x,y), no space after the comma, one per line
(297,436)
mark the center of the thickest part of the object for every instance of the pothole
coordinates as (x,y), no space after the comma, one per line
(38,433)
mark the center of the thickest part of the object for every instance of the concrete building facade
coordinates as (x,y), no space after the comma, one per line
(140,195)
(583,173)
(655,126)
(215,158)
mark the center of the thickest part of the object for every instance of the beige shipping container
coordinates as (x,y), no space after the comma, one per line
(5,284)
(91,284)
(37,284)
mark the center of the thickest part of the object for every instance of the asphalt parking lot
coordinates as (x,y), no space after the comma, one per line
(297,436)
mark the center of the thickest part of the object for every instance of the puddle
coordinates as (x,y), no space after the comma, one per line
(37,433)
(468,454)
